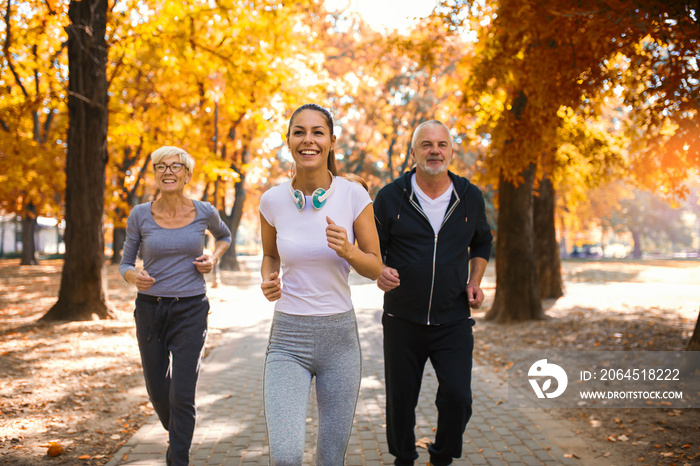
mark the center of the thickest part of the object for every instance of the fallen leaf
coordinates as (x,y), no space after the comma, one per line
(623,438)
(84,457)
(423,443)
(54,449)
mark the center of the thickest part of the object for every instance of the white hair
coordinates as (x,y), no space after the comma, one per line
(430,123)
(166,151)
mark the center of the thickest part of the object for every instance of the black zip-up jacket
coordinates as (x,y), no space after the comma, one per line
(433,268)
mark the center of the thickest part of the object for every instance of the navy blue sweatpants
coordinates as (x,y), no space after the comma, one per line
(407,347)
(172,333)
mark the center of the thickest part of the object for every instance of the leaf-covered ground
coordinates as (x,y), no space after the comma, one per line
(80,385)
(615,306)
(77,384)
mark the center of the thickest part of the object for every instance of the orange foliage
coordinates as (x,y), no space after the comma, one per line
(32,108)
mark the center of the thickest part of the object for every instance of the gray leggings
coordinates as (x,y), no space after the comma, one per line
(301,347)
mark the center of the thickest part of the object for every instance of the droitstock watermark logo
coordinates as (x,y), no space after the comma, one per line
(550,372)
(604,379)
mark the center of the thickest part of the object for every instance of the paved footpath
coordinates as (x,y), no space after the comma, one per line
(231,424)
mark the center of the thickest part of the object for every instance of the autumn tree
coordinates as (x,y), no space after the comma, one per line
(381,86)
(649,219)
(537,57)
(82,294)
(213,79)
(261,52)
(662,97)
(32,115)
(141,118)
(590,153)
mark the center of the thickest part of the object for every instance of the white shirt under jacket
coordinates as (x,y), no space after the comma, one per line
(434,208)
(314,277)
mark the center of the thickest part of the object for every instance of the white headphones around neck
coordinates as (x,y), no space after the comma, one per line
(318,197)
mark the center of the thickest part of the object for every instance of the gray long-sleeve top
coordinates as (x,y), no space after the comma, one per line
(169,253)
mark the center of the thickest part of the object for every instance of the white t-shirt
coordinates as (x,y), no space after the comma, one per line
(314,277)
(434,208)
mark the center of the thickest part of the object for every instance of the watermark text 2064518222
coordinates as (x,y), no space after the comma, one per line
(604,379)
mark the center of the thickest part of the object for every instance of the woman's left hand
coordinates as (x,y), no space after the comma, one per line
(338,239)
(205,263)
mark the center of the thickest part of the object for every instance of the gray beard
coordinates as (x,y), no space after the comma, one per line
(434,171)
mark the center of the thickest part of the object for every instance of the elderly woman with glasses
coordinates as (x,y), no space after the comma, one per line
(171,304)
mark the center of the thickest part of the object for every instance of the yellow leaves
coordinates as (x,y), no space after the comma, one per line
(31,173)
(668,128)
(33,113)
(217,168)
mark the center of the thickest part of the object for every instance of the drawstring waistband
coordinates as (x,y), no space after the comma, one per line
(163,311)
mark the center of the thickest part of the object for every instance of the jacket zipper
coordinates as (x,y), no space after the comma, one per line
(432,284)
(435,242)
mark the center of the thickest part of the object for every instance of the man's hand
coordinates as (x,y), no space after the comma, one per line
(475,296)
(389,279)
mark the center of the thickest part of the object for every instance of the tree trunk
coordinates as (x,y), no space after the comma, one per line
(119,232)
(517,285)
(82,294)
(118,238)
(29,223)
(229,261)
(546,248)
(694,343)
(637,246)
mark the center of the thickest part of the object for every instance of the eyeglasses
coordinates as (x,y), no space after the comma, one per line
(174,167)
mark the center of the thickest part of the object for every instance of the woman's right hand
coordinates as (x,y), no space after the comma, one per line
(143,281)
(271,287)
